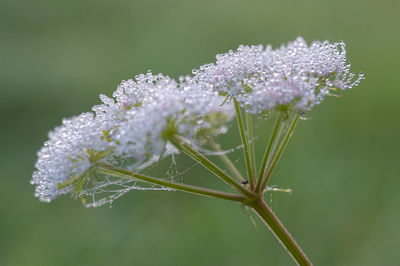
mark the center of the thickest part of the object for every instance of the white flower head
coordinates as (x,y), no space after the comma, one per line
(136,124)
(293,77)
(67,157)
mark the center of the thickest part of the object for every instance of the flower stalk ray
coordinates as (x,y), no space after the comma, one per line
(182,145)
(108,169)
(268,151)
(247,153)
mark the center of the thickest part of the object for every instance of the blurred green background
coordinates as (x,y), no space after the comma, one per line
(343,164)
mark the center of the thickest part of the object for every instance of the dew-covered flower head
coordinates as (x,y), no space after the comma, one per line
(68,156)
(136,123)
(293,77)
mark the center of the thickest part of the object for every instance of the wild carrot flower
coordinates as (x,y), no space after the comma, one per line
(293,77)
(153,115)
(135,125)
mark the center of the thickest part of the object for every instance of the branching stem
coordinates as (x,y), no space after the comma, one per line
(275,160)
(268,151)
(111,170)
(182,145)
(247,197)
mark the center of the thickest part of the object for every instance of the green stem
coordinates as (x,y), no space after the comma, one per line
(111,170)
(225,159)
(249,121)
(268,151)
(182,145)
(245,144)
(271,168)
(280,232)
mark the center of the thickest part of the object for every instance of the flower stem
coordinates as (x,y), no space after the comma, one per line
(280,232)
(245,144)
(268,151)
(226,160)
(111,170)
(249,121)
(271,167)
(182,145)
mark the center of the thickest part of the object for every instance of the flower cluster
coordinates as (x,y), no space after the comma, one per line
(68,156)
(145,113)
(293,77)
(135,124)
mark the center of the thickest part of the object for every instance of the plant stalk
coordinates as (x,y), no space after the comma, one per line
(268,151)
(250,134)
(280,232)
(271,167)
(245,144)
(111,170)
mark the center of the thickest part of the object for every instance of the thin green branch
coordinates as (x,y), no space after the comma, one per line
(245,144)
(111,170)
(225,159)
(268,151)
(285,125)
(280,232)
(274,162)
(182,145)
(249,121)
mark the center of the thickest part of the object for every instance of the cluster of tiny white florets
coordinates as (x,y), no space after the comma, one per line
(66,155)
(135,124)
(144,113)
(294,77)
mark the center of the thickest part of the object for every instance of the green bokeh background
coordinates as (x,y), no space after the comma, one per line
(343,164)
